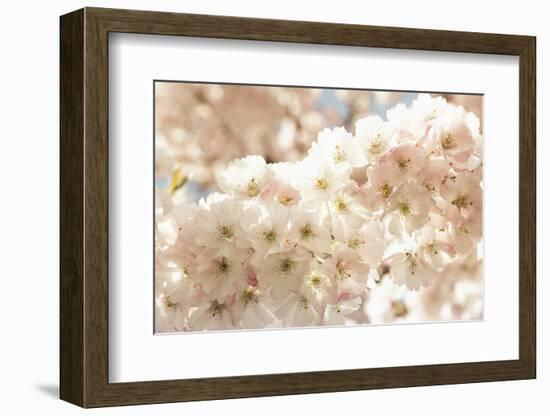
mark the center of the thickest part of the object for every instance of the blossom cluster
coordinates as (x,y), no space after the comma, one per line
(306,243)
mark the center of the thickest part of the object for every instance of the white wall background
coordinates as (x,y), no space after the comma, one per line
(29,157)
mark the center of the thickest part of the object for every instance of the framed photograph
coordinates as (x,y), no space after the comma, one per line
(257,207)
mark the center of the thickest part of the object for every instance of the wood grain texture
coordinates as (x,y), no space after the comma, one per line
(84,207)
(528,208)
(71,217)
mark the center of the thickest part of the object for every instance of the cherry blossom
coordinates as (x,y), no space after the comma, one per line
(375,135)
(298,310)
(410,270)
(246,177)
(307,243)
(409,208)
(266,227)
(337,146)
(284,272)
(253,309)
(335,314)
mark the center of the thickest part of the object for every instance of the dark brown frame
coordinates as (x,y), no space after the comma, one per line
(84,207)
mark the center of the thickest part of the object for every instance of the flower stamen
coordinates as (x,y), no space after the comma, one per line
(339,155)
(412,264)
(355,243)
(341,206)
(225,231)
(250,295)
(376,145)
(216,309)
(385,190)
(321,183)
(252,188)
(284,199)
(405,208)
(448,142)
(315,281)
(223,266)
(270,235)
(286,266)
(399,308)
(404,165)
(344,270)
(462,201)
(303,302)
(306,232)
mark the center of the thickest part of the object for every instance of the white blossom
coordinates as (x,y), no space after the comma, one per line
(409,269)
(321,180)
(375,135)
(266,227)
(335,314)
(338,147)
(246,177)
(369,227)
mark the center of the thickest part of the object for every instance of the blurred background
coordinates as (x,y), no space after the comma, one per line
(199,128)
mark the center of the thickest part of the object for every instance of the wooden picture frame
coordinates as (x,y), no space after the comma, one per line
(84,207)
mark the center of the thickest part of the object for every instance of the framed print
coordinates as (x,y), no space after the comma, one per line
(257,207)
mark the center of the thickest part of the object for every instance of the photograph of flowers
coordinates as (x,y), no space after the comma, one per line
(292,207)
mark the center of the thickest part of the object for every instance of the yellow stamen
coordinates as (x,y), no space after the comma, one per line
(404,208)
(343,270)
(412,264)
(270,235)
(315,281)
(250,295)
(429,187)
(462,201)
(306,232)
(404,165)
(216,309)
(223,265)
(225,231)
(321,183)
(385,190)
(432,248)
(339,155)
(355,243)
(303,302)
(376,145)
(399,308)
(341,206)
(252,188)
(286,265)
(284,199)
(448,142)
